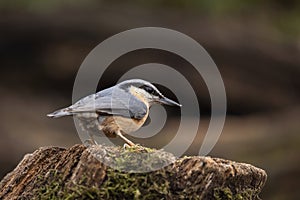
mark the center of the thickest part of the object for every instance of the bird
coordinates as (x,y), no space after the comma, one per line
(120,109)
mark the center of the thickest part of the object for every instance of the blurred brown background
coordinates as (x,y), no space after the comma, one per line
(255,44)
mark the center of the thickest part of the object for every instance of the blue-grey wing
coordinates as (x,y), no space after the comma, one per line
(112,101)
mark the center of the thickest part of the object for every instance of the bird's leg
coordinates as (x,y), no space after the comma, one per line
(118,133)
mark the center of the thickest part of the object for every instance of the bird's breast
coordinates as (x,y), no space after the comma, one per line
(112,124)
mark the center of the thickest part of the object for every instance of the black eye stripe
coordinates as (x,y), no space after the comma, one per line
(150,90)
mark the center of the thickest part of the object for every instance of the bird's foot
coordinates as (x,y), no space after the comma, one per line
(126,146)
(137,148)
(128,142)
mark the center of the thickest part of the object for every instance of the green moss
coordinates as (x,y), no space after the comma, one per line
(54,189)
(138,149)
(227,194)
(137,159)
(121,185)
(118,183)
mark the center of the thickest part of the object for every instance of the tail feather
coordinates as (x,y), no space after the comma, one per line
(60,113)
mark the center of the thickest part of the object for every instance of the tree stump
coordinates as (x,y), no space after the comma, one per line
(74,173)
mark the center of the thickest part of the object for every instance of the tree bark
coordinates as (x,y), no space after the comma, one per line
(76,173)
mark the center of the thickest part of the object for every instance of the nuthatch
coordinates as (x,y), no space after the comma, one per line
(120,109)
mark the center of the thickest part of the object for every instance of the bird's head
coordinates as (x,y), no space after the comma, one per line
(146,92)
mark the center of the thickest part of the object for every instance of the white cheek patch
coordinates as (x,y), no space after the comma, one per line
(140,92)
(144,93)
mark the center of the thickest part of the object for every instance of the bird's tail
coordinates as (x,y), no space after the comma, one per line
(60,113)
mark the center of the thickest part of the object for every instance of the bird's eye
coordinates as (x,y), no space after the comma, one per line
(149,90)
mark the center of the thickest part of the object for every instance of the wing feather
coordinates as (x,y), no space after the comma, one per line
(112,101)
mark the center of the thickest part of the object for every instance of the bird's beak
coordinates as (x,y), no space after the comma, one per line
(166,101)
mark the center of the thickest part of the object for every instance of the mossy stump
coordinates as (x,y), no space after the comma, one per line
(74,173)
